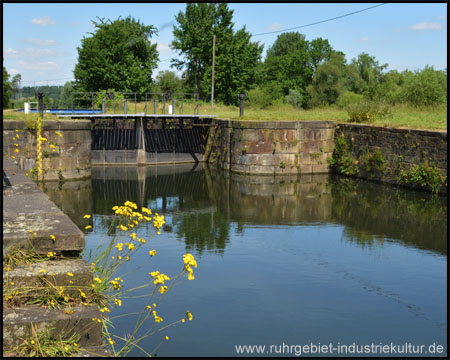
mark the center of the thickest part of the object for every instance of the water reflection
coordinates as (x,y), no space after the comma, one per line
(202,204)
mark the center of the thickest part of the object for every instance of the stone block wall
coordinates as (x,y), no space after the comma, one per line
(72,158)
(399,148)
(271,147)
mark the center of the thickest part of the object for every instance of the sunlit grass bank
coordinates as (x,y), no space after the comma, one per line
(401,116)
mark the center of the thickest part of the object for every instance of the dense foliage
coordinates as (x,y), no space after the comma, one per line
(118,55)
(236,57)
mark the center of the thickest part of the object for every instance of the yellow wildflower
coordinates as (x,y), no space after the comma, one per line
(152,252)
(182,320)
(16,150)
(124,228)
(118,302)
(167,338)
(87,216)
(32,342)
(53,237)
(43,139)
(16,144)
(58,133)
(119,246)
(12,282)
(189,315)
(112,342)
(133,236)
(88,227)
(69,274)
(42,271)
(162,289)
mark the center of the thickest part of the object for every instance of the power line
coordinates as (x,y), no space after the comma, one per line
(319,22)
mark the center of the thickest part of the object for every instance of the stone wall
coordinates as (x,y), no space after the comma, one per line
(395,149)
(72,155)
(271,147)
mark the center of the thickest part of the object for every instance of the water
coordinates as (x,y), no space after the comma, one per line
(316,259)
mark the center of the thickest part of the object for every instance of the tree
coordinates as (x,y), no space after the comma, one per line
(236,58)
(370,72)
(168,80)
(66,94)
(118,55)
(328,81)
(427,87)
(7,89)
(291,61)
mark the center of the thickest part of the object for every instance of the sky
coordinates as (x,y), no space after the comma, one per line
(40,40)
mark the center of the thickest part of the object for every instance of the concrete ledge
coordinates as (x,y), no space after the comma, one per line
(56,273)
(25,208)
(50,125)
(16,324)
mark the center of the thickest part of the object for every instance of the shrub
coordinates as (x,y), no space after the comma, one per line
(295,98)
(367,111)
(347,98)
(259,98)
(426,87)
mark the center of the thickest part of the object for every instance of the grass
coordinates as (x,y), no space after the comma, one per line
(403,116)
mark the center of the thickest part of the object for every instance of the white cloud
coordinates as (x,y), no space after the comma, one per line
(40,42)
(163,48)
(426,26)
(43,21)
(274,27)
(29,53)
(11,53)
(13,71)
(441,17)
(47,65)
(364,39)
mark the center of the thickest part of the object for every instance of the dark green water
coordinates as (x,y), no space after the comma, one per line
(315,259)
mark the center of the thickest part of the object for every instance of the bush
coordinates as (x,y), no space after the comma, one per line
(295,98)
(347,98)
(259,98)
(426,87)
(367,111)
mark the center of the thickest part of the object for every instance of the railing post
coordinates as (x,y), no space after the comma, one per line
(241,104)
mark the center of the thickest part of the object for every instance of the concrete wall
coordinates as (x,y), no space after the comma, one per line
(398,148)
(271,147)
(73,149)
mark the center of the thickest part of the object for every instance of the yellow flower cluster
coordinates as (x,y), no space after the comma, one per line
(189,261)
(51,254)
(158,277)
(115,283)
(158,222)
(152,252)
(189,315)
(58,133)
(118,302)
(162,289)
(158,319)
(119,246)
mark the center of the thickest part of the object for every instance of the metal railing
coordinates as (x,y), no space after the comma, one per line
(174,102)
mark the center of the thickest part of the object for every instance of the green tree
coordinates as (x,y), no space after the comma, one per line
(328,81)
(236,58)
(291,61)
(371,73)
(117,55)
(66,94)
(7,89)
(427,87)
(168,80)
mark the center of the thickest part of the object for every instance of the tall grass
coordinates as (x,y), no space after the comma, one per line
(403,116)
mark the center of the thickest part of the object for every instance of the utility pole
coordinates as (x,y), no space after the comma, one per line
(212,81)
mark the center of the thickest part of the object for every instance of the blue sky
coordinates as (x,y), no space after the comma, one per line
(40,40)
